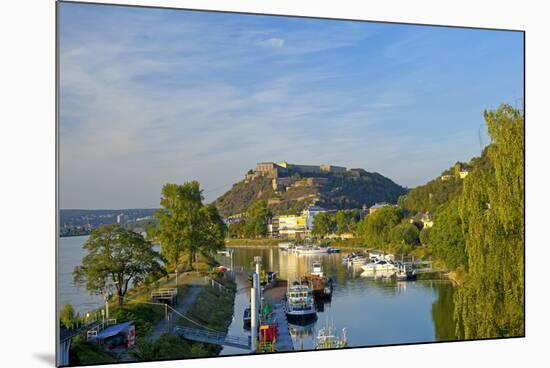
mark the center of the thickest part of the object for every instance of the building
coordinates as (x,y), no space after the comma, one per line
(332,169)
(310,214)
(377,206)
(122,219)
(463,174)
(292,226)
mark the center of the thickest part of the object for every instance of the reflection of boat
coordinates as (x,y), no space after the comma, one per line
(379,265)
(321,285)
(386,275)
(299,305)
(298,331)
(328,339)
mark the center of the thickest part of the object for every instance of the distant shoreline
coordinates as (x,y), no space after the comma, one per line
(73,235)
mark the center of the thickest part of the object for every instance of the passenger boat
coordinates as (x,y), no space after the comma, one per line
(379,265)
(333,250)
(299,305)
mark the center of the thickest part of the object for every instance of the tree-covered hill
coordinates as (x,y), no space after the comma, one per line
(340,191)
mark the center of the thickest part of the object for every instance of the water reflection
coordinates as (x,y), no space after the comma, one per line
(374,310)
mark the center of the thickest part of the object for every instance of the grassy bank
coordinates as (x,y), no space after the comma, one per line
(252,242)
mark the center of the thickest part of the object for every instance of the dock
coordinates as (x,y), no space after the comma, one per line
(274,296)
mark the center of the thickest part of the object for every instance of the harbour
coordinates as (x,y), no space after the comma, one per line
(372,310)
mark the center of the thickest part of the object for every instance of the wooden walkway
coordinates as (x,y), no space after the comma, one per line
(284,340)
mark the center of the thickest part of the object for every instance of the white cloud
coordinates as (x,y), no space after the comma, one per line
(275,42)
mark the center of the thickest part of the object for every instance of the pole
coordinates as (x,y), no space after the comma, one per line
(107,308)
(254,317)
(176,277)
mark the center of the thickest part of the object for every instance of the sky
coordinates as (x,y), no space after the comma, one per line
(154,96)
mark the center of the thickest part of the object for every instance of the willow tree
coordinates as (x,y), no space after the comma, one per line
(491,301)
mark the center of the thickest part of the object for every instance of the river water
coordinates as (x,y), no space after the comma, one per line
(373,311)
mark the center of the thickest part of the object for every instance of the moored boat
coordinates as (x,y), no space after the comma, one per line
(320,284)
(299,305)
(379,265)
(327,338)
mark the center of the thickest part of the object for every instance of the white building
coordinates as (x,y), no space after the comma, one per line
(122,219)
(310,214)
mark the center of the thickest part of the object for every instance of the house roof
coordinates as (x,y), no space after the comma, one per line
(113,330)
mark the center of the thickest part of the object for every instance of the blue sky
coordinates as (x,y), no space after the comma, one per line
(149,96)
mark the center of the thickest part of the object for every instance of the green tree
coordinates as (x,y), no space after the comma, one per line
(256,219)
(323,224)
(236,229)
(375,228)
(405,233)
(491,301)
(116,257)
(424,236)
(213,230)
(346,221)
(447,238)
(67,316)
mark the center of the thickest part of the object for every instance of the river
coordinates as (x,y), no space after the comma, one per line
(373,311)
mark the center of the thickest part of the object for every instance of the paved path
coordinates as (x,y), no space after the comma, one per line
(184,303)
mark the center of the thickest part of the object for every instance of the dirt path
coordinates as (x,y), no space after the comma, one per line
(182,307)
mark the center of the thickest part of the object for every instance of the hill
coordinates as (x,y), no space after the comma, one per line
(441,190)
(289,188)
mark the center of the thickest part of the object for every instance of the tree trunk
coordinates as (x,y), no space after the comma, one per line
(120,297)
(190,260)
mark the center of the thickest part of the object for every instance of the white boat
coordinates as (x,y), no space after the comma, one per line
(328,339)
(317,269)
(379,265)
(354,258)
(299,304)
(312,249)
(285,245)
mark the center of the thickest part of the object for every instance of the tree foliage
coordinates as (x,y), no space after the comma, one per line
(491,301)
(323,224)
(447,238)
(375,228)
(67,316)
(186,225)
(405,234)
(256,219)
(115,258)
(346,221)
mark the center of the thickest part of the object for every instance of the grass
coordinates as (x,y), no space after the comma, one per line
(253,242)
(85,352)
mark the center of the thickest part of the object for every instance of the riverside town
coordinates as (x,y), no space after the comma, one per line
(183,232)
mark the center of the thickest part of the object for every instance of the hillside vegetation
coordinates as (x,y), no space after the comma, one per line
(341,191)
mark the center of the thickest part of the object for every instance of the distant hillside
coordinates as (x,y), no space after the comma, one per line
(428,197)
(291,188)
